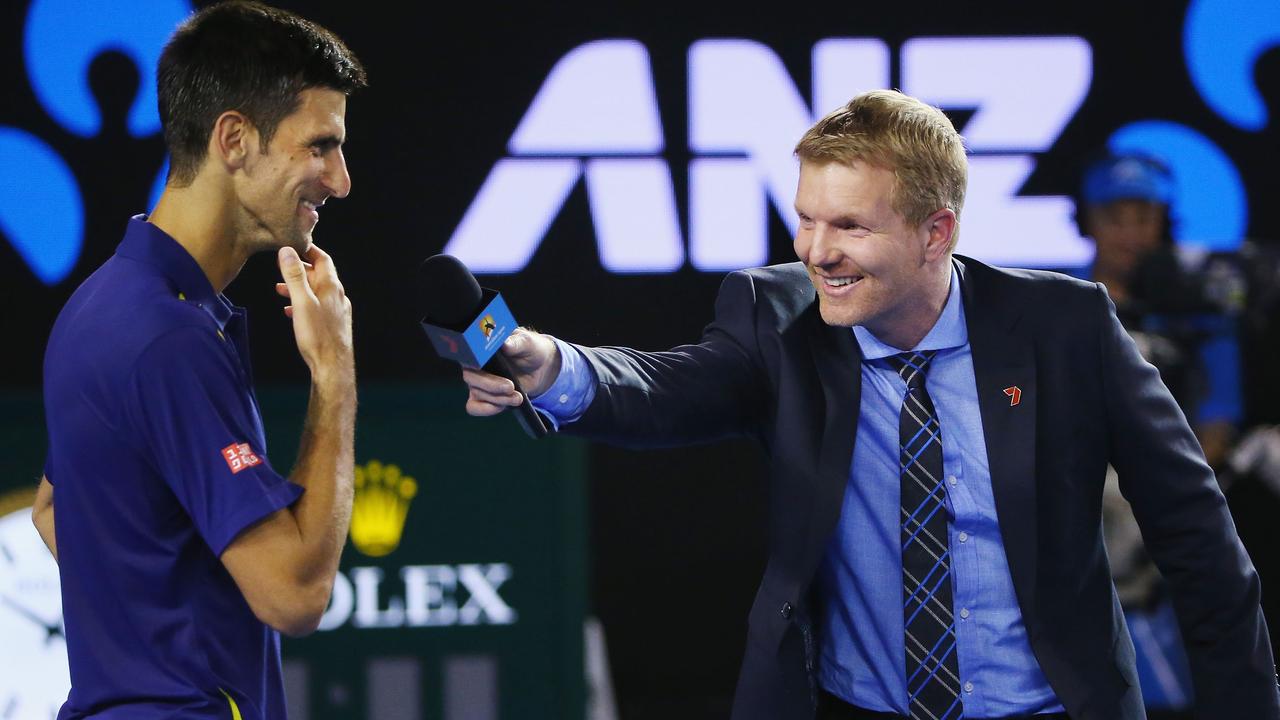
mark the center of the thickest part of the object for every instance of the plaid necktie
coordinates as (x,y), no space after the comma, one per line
(933,676)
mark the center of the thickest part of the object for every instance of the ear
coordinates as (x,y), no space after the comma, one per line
(941,228)
(231,140)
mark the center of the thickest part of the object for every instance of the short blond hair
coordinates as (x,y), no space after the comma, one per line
(897,132)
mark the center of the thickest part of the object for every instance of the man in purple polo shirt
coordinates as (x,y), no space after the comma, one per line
(183,552)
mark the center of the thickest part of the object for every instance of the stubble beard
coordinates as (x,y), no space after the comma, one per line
(845,314)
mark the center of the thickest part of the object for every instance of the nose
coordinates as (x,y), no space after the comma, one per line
(336,178)
(823,249)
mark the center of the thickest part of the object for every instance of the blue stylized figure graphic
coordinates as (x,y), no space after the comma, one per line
(1209,198)
(1223,40)
(64,36)
(41,208)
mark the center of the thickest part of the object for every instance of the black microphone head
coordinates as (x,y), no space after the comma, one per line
(448,293)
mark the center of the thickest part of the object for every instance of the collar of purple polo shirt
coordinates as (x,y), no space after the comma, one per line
(149,244)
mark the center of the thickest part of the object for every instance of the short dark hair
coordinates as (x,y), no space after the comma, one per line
(248,57)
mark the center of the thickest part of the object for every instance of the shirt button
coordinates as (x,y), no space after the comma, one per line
(968,687)
(952,479)
(964,613)
(785,611)
(564,398)
(963,536)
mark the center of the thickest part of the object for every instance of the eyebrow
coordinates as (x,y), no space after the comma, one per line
(848,220)
(838,220)
(325,142)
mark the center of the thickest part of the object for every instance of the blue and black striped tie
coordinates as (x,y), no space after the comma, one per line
(933,676)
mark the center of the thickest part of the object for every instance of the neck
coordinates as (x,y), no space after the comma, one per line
(915,321)
(200,217)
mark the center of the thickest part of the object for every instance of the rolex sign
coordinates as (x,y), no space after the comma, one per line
(462,582)
(416,596)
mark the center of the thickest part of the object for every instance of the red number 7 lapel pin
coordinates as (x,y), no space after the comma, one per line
(1015,395)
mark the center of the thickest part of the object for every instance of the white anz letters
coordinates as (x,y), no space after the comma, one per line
(596,115)
(1023,91)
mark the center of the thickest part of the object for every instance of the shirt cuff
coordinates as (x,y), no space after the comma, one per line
(572,392)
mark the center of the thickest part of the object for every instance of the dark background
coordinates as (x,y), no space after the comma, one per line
(676,536)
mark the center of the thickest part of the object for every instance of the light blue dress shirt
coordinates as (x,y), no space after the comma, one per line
(572,392)
(863,658)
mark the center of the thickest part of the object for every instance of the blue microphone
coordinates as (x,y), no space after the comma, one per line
(468,324)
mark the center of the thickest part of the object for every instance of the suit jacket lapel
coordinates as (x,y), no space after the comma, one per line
(1004,368)
(838,361)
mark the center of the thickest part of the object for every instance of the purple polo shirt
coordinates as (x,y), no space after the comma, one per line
(158,461)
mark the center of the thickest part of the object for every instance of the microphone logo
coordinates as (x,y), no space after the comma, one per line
(488,325)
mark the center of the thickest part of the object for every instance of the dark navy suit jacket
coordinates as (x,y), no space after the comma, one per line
(769,368)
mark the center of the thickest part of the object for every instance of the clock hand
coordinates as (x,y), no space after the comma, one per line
(52,630)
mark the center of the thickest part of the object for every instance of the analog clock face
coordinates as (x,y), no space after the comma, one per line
(34,680)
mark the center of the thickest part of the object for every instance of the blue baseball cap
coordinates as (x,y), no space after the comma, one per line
(1127,177)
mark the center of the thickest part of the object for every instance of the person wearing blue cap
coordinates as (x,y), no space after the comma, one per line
(1125,210)
(1182,320)
(1125,206)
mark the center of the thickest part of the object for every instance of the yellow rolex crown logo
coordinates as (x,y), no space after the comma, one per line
(382,499)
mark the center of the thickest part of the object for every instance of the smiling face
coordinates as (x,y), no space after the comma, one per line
(284,185)
(870,267)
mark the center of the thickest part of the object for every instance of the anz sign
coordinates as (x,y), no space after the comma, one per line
(596,116)
(596,119)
